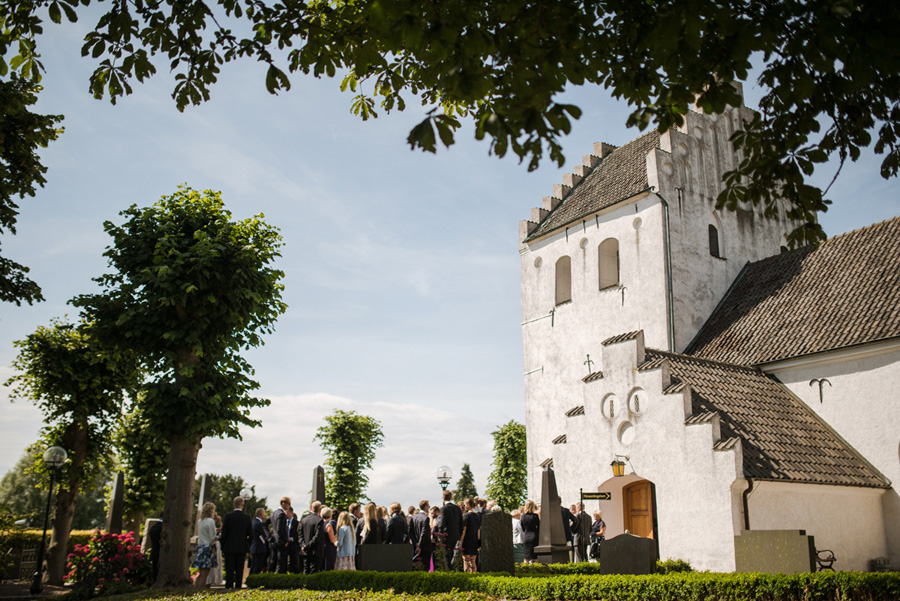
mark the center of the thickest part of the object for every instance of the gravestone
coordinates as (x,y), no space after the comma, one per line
(552,547)
(386,558)
(318,487)
(145,540)
(205,495)
(774,552)
(116,506)
(628,554)
(497,543)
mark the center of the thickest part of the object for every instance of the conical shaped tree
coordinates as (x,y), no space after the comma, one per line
(465,486)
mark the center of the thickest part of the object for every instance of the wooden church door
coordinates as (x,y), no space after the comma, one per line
(638,505)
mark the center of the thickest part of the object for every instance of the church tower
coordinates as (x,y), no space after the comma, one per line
(631,241)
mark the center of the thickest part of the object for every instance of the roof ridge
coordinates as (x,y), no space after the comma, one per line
(752,368)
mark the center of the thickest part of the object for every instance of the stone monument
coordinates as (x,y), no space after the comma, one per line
(318,487)
(116,506)
(497,543)
(551,547)
(628,554)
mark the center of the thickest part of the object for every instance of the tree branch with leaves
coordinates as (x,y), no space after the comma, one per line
(349,441)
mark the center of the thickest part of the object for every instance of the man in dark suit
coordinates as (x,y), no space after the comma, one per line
(569,523)
(451,520)
(420,535)
(155,534)
(312,539)
(581,538)
(259,546)
(397,532)
(280,537)
(235,540)
(293,523)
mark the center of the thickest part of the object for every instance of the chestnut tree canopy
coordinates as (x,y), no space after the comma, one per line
(828,68)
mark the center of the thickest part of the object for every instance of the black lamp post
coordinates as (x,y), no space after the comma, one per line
(443,476)
(54,458)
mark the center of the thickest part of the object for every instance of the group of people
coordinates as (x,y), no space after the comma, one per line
(581,532)
(323,539)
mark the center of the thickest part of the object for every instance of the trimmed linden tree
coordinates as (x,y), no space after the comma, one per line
(349,441)
(189,289)
(508,482)
(79,390)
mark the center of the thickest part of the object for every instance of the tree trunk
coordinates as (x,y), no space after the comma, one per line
(176,533)
(75,441)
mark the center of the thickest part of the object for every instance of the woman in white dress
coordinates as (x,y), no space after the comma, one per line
(205,557)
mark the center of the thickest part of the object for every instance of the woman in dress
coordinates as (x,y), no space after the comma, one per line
(437,537)
(330,537)
(205,556)
(346,543)
(598,528)
(531,527)
(470,536)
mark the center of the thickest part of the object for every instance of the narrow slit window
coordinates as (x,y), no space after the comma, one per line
(714,241)
(609,263)
(563,280)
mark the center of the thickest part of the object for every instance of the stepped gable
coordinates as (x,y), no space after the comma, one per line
(781,438)
(844,293)
(620,174)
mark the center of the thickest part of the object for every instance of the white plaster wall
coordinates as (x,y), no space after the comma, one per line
(845,519)
(687,171)
(560,346)
(695,501)
(862,404)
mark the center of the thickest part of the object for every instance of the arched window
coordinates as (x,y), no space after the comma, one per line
(714,241)
(563,280)
(609,263)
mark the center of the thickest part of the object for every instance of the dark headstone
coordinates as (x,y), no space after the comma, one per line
(116,506)
(774,552)
(205,495)
(386,558)
(628,554)
(552,547)
(497,543)
(318,487)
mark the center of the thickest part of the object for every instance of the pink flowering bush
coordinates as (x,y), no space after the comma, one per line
(108,563)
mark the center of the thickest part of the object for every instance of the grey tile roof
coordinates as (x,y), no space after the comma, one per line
(621,337)
(782,439)
(845,293)
(620,175)
(597,375)
(579,410)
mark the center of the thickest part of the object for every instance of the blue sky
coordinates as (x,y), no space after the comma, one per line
(402,270)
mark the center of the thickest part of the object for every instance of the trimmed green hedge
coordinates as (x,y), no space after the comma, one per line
(17,540)
(845,586)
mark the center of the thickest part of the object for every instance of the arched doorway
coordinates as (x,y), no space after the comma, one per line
(638,508)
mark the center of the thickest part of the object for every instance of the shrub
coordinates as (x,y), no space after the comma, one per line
(673,566)
(106,564)
(819,586)
(15,540)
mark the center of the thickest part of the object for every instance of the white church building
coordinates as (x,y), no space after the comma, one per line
(744,387)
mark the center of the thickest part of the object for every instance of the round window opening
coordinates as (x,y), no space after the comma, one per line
(584,242)
(637,223)
(537,262)
(626,433)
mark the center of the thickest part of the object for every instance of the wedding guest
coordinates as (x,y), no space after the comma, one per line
(470,536)
(237,532)
(582,534)
(204,559)
(311,539)
(368,529)
(281,537)
(518,535)
(330,538)
(346,543)
(451,525)
(420,536)
(259,546)
(397,531)
(531,527)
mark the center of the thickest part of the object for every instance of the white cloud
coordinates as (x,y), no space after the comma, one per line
(279,457)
